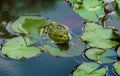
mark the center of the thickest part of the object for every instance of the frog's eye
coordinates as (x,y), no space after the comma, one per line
(60,35)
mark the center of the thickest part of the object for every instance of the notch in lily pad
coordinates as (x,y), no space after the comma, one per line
(18,48)
(101,55)
(89,69)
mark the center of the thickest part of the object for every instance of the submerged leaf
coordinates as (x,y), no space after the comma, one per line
(91,10)
(114,21)
(100,55)
(117,67)
(89,69)
(18,48)
(96,36)
(73,48)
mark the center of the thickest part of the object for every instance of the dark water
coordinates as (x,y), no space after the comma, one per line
(45,64)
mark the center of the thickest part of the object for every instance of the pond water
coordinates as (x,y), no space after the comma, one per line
(45,64)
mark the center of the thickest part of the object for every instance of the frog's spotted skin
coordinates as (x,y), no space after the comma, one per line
(58,33)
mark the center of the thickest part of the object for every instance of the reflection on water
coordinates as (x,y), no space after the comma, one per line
(45,64)
(9,68)
(14,8)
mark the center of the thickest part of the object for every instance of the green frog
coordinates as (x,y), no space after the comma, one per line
(58,33)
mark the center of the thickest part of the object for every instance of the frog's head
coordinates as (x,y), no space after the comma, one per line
(58,33)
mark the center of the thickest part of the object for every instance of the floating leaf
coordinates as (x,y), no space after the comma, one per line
(96,36)
(118,2)
(118,51)
(30,25)
(25,24)
(17,48)
(91,10)
(100,55)
(74,48)
(117,67)
(75,1)
(89,69)
(102,43)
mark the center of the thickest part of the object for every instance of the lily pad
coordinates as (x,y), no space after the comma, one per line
(96,36)
(91,10)
(118,2)
(30,25)
(117,67)
(18,48)
(89,69)
(100,55)
(73,48)
(118,51)
(75,1)
(26,24)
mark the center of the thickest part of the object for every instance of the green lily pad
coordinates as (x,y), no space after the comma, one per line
(100,55)
(18,48)
(30,25)
(25,24)
(91,10)
(118,2)
(96,36)
(118,51)
(75,1)
(89,69)
(117,67)
(92,3)
(74,48)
